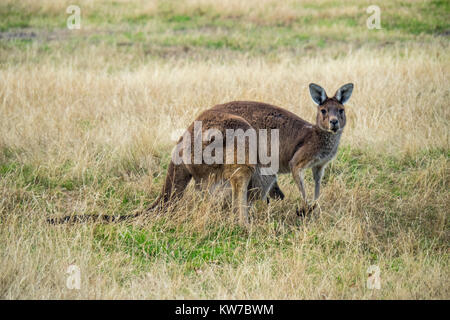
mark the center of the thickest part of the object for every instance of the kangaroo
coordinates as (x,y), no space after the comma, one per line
(302,145)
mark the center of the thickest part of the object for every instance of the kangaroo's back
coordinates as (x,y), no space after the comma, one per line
(262,115)
(266,116)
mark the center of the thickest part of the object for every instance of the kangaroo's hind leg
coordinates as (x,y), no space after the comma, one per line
(177,179)
(239,180)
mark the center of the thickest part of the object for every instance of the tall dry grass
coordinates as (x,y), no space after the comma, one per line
(400,98)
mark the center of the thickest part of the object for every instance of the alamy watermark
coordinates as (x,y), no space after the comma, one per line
(74,20)
(373,279)
(237,147)
(73,281)
(374,20)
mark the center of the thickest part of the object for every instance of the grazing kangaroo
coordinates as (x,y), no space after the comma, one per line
(302,146)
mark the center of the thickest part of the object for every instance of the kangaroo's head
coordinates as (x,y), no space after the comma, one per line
(331,111)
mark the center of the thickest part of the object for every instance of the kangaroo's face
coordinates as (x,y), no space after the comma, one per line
(331,116)
(331,111)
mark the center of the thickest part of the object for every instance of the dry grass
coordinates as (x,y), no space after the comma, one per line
(79,135)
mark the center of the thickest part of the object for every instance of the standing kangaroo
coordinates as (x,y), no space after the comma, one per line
(302,146)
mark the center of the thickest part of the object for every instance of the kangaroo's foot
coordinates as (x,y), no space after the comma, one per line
(306,210)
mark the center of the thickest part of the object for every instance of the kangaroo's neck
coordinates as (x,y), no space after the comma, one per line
(327,142)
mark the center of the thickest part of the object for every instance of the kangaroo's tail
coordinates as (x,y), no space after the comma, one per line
(91,217)
(176,182)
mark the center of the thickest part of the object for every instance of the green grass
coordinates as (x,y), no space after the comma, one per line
(167,30)
(193,250)
(391,173)
(392,177)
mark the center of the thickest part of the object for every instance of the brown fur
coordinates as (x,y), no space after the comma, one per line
(302,146)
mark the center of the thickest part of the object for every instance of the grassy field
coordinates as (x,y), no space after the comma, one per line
(86,123)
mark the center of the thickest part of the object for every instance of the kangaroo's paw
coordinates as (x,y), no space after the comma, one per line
(306,210)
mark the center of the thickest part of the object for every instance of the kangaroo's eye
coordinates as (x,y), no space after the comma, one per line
(323,111)
(341,111)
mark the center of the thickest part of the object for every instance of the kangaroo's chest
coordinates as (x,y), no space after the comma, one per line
(327,150)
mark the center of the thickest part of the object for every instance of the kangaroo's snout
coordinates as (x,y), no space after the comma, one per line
(334,124)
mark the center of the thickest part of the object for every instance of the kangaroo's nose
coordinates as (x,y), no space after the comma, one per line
(334,122)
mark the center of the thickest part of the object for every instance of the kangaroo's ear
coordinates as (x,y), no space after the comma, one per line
(318,93)
(344,93)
